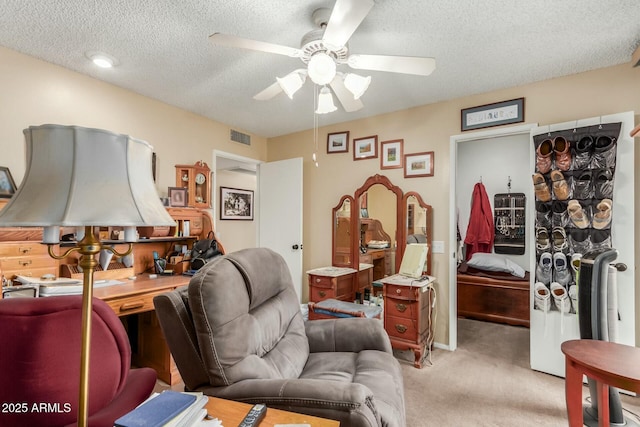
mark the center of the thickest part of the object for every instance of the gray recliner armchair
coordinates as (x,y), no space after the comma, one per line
(237,332)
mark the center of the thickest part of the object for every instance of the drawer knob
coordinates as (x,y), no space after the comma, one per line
(318,280)
(25,250)
(398,291)
(401,328)
(131,305)
(25,263)
(322,294)
(401,307)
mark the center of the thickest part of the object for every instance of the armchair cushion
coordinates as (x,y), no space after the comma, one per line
(347,334)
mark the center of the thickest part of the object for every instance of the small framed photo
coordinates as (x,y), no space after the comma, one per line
(391,157)
(338,142)
(365,148)
(418,164)
(496,114)
(178,197)
(236,203)
(7,185)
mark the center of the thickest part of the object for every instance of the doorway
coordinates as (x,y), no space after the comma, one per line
(501,160)
(238,172)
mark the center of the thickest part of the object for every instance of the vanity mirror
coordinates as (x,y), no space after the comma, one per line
(418,223)
(374,226)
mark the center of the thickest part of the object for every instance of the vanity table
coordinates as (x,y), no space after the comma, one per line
(378,213)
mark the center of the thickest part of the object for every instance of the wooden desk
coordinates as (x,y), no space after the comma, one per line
(610,364)
(136,297)
(232,413)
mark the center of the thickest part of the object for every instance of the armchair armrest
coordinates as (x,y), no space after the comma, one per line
(344,401)
(347,335)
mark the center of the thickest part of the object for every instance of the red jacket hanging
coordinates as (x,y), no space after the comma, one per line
(480,231)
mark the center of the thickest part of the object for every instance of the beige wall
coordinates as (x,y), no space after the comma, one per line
(428,128)
(34,92)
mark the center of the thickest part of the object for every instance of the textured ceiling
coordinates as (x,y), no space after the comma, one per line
(163,49)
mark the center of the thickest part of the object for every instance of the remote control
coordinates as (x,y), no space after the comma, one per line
(255,415)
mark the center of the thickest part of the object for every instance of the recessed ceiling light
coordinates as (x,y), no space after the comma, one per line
(101,59)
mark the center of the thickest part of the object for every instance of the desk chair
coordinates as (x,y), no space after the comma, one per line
(40,360)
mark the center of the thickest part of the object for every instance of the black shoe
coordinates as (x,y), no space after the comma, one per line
(604,154)
(583,185)
(543,214)
(584,148)
(603,184)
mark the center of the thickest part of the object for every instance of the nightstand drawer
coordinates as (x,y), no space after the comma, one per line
(400,327)
(321,294)
(322,281)
(401,292)
(401,308)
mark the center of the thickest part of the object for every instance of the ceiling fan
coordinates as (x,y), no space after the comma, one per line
(323,50)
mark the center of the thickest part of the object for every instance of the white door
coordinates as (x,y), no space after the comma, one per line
(280,213)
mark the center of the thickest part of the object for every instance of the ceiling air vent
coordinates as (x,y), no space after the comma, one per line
(240,137)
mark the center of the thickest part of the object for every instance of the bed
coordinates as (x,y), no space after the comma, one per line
(493,296)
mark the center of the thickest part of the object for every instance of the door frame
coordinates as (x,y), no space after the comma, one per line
(214,168)
(454,140)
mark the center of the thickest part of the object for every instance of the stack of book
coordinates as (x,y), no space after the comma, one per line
(167,409)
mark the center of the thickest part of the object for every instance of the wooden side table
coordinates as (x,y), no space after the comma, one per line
(231,413)
(608,363)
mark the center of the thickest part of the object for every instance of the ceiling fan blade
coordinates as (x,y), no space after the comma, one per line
(345,18)
(394,64)
(268,93)
(233,41)
(344,96)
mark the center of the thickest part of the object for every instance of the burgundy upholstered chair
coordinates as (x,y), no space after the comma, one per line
(40,342)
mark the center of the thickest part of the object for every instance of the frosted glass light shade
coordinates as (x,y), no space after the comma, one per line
(78,176)
(291,83)
(321,68)
(325,102)
(356,84)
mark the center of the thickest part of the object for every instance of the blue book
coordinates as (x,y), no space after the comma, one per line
(158,411)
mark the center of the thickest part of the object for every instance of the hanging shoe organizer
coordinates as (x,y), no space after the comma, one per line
(575,171)
(509,216)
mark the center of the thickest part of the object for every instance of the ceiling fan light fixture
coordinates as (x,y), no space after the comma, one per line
(322,68)
(291,83)
(356,84)
(325,102)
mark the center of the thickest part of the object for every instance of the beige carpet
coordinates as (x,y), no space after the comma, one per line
(486,381)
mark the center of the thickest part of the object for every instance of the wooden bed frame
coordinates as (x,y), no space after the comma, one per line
(501,300)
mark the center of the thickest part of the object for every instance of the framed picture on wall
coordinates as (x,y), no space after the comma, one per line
(365,148)
(338,142)
(418,164)
(391,157)
(236,203)
(7,185)
(178,197)
(496,114)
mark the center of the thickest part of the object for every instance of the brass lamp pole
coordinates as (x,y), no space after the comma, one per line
(88,247)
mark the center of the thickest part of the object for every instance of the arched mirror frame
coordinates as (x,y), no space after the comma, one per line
(400,234)
(337,255)
(428,219)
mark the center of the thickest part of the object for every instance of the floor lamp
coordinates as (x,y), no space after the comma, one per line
(85,178)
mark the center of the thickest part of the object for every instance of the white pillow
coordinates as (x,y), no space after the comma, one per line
(494,262)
